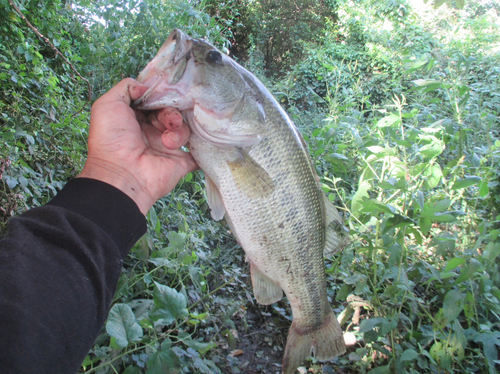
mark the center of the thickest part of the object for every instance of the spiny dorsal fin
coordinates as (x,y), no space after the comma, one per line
(335,236)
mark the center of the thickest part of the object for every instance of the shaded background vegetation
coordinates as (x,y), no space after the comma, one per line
(399,102)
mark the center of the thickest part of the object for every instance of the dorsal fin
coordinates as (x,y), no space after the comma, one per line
(335,236)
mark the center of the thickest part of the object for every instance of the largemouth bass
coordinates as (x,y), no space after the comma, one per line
(260,177)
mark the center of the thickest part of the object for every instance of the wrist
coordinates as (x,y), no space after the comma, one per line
(120,178)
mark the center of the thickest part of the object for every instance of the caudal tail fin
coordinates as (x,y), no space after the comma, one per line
(326,342)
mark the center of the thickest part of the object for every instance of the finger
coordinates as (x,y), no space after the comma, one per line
(124,91)
(153,119)
(176,139)
(153,137)
(176,133)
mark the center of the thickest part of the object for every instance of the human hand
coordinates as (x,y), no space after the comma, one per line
(138,157)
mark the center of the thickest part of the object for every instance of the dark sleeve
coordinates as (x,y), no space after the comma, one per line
(59,266)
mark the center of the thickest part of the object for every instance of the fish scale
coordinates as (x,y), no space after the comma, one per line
(260,178)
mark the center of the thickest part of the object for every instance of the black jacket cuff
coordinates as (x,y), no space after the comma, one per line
(108,207)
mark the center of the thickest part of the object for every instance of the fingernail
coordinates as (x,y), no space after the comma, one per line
(174,136)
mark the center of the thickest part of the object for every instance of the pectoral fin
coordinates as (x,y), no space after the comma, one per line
(250,177)
(214,199)
(266,291)
(335,237)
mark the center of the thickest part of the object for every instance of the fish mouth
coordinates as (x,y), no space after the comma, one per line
(167,67)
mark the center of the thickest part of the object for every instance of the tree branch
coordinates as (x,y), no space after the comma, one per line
(46,40)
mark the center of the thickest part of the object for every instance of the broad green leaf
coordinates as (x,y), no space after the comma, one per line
(172,303)
(433,148)
(201,316)
(389,120)
(440,320)
(469,305)
(132,370)
(444,217)
(382,151)
(492,251)
(417,64)
(201,347)
(425,225)
(176,239)
(463,183)
(164,361)
(428,84)
(389,324)
(369,324)
(356,203)
(397,221)
(433,175)
(374,206)
(468,271)
(122,325)
(333,157)
(490,347)
(454,263)
(453,304)
(409,355)
(460,4)
(355,278)
(483,189)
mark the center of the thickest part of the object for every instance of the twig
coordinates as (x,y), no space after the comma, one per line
(46,40)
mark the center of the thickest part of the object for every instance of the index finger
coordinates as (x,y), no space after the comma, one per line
(124,91)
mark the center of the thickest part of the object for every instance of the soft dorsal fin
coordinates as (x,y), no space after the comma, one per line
(335,236)
(214,199)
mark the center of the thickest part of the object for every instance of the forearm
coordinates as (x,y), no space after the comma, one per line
(59,265)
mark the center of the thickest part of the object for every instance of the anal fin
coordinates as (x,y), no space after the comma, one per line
(266,291)
(214,199)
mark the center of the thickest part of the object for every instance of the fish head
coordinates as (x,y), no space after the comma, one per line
(218,97)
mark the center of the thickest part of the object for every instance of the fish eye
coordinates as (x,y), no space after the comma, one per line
(214,56)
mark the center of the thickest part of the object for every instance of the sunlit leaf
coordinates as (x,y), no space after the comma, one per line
(454,263)
(356,203)
(387,121)
(464,183)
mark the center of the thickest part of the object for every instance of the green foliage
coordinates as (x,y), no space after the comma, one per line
(425,271)
(399,104)
(275,29)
